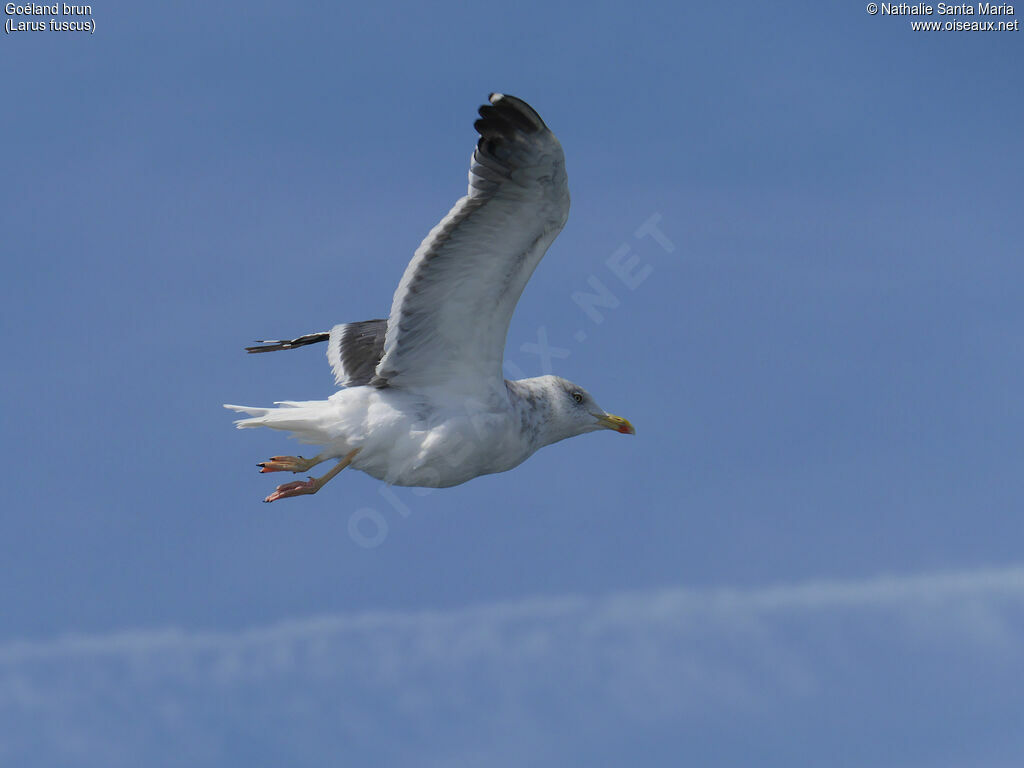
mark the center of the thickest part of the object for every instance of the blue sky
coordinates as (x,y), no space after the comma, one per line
(809,554)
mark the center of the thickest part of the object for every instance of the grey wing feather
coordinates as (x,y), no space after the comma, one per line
(453,306)
(354,350)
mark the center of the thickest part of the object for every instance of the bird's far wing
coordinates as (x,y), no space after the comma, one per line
(452,308)
(354,349)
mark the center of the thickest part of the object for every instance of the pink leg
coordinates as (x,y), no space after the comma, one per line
(298,488)
(312,485)
(289,464)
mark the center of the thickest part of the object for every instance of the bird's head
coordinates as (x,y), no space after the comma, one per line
(575,411)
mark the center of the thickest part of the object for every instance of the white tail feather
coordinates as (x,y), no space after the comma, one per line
(305,420)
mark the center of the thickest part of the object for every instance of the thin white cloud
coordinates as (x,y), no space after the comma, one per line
(655,606)
(385,686)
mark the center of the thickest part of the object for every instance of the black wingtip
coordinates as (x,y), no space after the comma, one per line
(511,105)
(275,345)
(507,116)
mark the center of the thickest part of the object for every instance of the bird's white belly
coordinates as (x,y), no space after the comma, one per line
(398,445)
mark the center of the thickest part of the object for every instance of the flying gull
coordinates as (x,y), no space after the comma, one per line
(424,401)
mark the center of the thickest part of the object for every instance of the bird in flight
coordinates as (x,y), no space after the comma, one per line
(424,401)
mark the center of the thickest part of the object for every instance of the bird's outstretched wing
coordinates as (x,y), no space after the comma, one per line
(452,308)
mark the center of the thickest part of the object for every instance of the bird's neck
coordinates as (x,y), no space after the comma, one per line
(533,405)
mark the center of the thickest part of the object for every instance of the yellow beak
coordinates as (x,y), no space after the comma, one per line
(619,424)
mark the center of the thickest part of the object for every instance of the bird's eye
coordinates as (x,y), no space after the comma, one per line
(577,397)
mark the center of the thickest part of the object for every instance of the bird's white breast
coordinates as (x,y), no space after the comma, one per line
(423,439)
